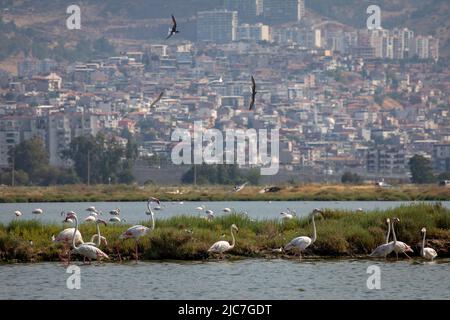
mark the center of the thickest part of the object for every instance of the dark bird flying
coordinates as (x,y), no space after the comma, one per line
(157,99)
(252,102)
(173,29)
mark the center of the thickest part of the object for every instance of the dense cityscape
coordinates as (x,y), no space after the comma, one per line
(343,99)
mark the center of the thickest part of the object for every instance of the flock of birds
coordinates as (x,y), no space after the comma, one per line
(174,30)
(71,237)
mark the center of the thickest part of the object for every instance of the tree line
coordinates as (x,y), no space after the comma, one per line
(420,168)
(95,160)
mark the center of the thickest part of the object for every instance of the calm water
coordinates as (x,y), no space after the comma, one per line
(245,279)
(134,212)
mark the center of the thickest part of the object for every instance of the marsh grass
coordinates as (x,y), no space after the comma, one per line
(339,233)
(310,192)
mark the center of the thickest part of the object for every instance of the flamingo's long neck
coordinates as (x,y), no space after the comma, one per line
(393,232)
(234,240)
(314,230)
(152,214)
(423,243)
(153,221)
(75,232)
(388,233)
(99,240)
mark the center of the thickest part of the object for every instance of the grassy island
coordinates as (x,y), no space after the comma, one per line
(339,234)
(309,192)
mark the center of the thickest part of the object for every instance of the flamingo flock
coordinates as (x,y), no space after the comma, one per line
(72,240)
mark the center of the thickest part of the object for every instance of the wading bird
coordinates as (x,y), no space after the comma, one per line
(252,101)
(65,237)
(400,246)
(91,209)
(88,251)
(157,99)
(270,189)
(37,212)
(90,218)
(427,252)
(226,210)
(383,250)
(301,243)
(97,235)
(223,246)
(174,29)
(115,212)
(117,219)
(158,205)
(137,231)
(288,215)
(17,213)
(209,215)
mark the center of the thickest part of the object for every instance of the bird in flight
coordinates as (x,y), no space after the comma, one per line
(252,102)
(238,188)
(173,29)
(157,99)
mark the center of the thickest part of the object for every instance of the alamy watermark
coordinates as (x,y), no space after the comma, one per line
(74,280)
(374,280)
(374,20)
(192,149)
(73,22)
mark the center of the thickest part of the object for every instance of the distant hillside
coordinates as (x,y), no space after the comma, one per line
(41,23)
(430,17)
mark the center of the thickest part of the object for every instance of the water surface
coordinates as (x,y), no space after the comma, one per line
(243,279)
(134,212)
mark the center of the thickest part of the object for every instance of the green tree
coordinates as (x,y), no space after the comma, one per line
(101,159)
(31,157)
(421,171)
(349,177)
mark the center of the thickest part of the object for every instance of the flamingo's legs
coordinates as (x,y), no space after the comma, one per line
(137,257)
(118,254)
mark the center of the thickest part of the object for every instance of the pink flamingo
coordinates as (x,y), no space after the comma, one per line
(137,231)
(86,250)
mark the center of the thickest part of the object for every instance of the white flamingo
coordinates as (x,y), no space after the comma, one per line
(400,246)
(138,231)
(115,212)
(117,219)
(65,237)
(150,200)
(88,251)
(383,250)
(17,213)
(37,212)
(209,215)
(90,218)
(98,235)
(201,208)
(91,209)
(226,210)
(222,245)
(287,215)
(301,243)
(427,252)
